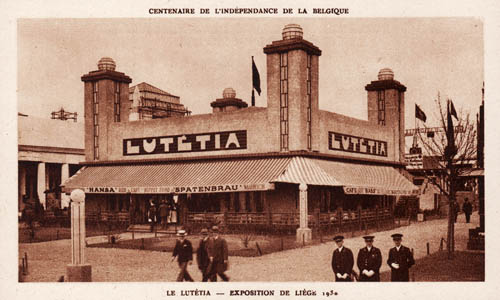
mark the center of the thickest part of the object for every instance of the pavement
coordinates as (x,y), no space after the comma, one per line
(48,260)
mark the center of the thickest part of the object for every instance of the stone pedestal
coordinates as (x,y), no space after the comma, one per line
(304,235)
(79,273)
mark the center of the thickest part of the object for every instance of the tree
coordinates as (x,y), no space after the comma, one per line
(451,150)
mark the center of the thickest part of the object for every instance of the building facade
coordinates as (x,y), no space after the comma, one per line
(287,164)
(49,152)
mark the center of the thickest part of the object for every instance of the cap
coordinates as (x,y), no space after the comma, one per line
(215,228)
(338,238)
(369,238)
(181,232)
(204,231)
(396,236)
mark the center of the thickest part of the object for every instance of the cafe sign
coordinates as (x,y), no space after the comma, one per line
(194,189)
(198,142)
(355,144)
(361,190)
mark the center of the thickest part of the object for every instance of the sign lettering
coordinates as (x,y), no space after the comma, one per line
(213,141)
(181,189)
(349,143)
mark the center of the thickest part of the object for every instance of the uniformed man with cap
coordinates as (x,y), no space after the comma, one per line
(400,260)
(342,260)
(184,252)
(369,261)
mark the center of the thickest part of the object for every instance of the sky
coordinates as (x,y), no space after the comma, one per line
(196,58)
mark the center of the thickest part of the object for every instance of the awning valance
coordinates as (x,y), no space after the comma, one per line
(239,175)
(180,177)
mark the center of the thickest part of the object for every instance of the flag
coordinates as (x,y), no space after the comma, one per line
(450,149)
(453,111)
(255,77)
(419,114)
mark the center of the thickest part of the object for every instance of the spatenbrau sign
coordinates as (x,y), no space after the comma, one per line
(211,141)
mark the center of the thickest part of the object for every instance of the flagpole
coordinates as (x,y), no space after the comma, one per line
(253,93)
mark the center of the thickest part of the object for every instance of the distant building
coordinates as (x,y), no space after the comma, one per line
(149,102)
(49,152)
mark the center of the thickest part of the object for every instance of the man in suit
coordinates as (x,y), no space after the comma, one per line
(203,254)
(369,261)
(184,252)
(220,256)
(400,260)
(342,261)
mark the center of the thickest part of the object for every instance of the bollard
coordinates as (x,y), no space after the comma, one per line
(258,249)
(303,240)
(26,261)
(142,243)
(428,249)
(281,246)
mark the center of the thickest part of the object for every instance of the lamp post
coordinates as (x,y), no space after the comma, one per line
(78,271)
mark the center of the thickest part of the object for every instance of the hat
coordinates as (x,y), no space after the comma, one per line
(204,231)
(181,232)
(396,236)
(215,228)
(338,238)
(368,238)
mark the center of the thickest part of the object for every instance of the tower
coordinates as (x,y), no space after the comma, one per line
(106,97)
(386,106)
(292,90)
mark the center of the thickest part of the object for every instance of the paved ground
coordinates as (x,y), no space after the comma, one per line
(48,260)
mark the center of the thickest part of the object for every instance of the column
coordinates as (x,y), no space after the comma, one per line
(42,183)
(253,205)
(78,270)
(64,177)
(243,202)
(303,232)
(22,185)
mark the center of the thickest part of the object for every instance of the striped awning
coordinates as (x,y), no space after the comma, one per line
(180,177)
(239,175)
(358,178)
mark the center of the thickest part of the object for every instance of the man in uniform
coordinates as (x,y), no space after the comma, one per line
(400,260)
(203,254)
(220,256)
(184,252)
(342,260)
(369,261)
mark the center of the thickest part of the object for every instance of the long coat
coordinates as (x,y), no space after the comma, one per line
(203,253)
(220,254)
(369,260)
(342,262)
(404,258)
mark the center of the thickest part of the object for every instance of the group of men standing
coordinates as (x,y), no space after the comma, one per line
(211,255)
(369,261)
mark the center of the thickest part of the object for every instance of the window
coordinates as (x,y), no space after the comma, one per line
(95,89)
(117,102)
(309,103)
(381,107)
(284,101)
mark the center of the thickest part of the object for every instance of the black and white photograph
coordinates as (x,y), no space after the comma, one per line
(264,145)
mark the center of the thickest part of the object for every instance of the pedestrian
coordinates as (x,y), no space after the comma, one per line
(203,254)
(184,252)
(369,261)
(456,210)
(220,254)
(163,213)
(467,208)
(152,215)
(400,260)
(342,260)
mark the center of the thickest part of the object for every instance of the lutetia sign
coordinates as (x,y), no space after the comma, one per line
(349,143)
(212,141)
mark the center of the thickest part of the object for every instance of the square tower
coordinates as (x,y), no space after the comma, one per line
(292,90)
(106,96)
(386,105)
